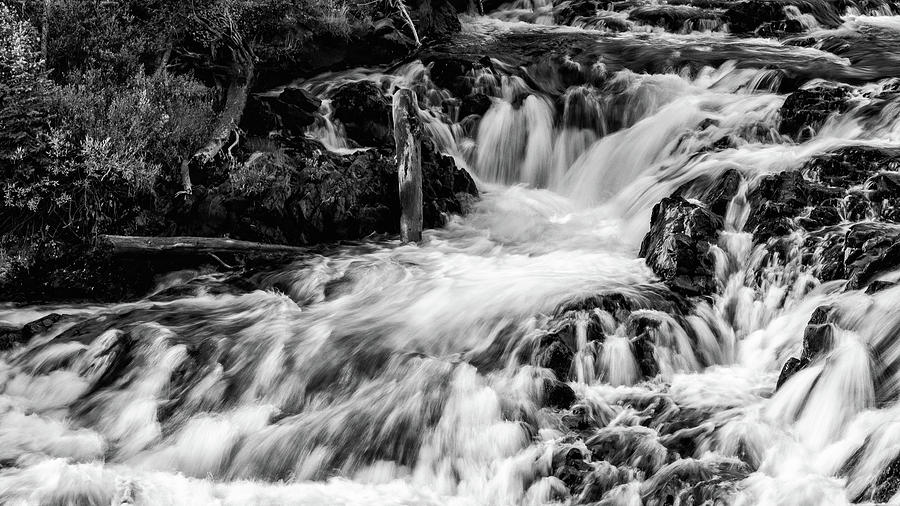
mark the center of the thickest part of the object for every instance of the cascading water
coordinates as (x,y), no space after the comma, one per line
(389,374)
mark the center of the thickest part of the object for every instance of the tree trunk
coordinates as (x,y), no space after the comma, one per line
(128,244)
(45,30)
(243,72)
(408,144)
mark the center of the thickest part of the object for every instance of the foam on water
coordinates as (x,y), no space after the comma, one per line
(391,374)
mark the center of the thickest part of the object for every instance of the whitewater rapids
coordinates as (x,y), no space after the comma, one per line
(389,374)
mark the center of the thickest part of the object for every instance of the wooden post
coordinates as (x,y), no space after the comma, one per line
(408,144)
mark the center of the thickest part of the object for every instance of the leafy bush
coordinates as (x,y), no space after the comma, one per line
(265,176)
(79,156)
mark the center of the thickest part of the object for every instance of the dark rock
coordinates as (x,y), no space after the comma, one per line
(818,340)
(675,18)
(804,111)
(319,196)
(293,109)
(677,247)
(870,249)
(476,103)
(41,325)
(455,73)
(601,480)
(365,112)
(888,482)
(716,193)
(820,315)
(11,336)
(791,367)
(557,394)
(852,165)
(568,464)
(879,285)
(435,19)
(780,198)
(555,355)
(768,18)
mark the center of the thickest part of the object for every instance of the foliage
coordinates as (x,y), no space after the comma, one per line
(265,176)
(79,156)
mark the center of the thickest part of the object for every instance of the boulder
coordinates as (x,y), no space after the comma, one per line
(554,354)
(11,336)
(805,111)
(557,394)
(476,103)
(675,18)
(851,165)
(293,110)
(715,193)
(818,341)
(677,247)
(313,195)
(365,113)
(455,73)
(435,19)
(870,248)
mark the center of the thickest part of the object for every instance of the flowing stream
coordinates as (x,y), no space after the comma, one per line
(389,374)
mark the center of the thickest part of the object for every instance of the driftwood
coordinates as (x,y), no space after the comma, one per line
(243,72)
(408,144)
(129,244)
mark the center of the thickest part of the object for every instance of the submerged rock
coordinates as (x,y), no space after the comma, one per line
(677,247)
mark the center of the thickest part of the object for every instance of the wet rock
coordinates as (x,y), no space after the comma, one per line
(293,110)
(557,394)
(879,285)
(715,193)
(852,165)
(676,18)
(768,17)
(10,335)
(568,464)
(456,73)
(555,355)
(791,367)
(820,315)
(888,483)
(601,480)
(777,200)
(365,113)
(41,325)
(635,446)
(476,103)
(870,249)
(567,12)
(696,481)
(818,341)
(804,111)
(677,247)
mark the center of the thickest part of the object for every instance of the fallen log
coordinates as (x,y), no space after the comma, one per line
(130,244)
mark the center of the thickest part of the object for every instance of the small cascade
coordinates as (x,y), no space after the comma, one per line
(523,353)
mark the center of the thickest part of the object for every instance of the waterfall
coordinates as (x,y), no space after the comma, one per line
(523,353)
